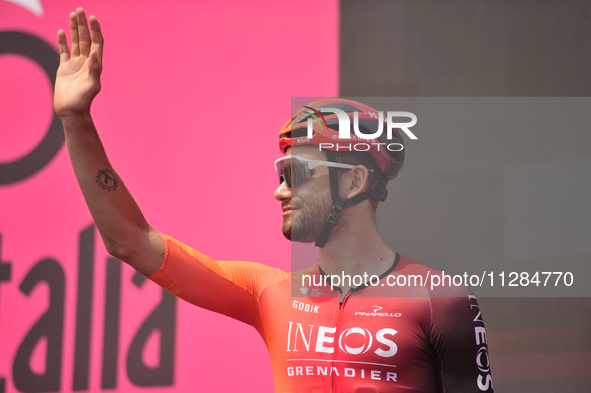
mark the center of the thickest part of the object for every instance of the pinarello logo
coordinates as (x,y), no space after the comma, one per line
(376,313)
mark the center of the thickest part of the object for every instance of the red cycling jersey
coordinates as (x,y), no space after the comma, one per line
(376,338)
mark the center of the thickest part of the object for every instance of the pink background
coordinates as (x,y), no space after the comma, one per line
(193,96)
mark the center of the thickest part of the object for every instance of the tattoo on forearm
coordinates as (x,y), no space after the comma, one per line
(107,179)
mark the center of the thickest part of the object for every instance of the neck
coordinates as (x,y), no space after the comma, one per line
(356,248)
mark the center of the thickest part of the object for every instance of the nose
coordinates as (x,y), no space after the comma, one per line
(283,192)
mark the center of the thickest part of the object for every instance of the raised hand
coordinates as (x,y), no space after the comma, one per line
(78,76)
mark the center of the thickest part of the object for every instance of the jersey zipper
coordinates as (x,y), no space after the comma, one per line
(342,299)
(339,321)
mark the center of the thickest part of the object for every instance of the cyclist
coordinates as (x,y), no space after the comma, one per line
(324,334)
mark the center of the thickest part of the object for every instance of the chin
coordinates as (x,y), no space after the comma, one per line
(301,233)
(286,227)
(286,233)
(300,236)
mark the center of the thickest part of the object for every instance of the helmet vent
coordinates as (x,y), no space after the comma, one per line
(344,107)
(297,133)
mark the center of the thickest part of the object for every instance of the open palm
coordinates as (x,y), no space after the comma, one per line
(78,76)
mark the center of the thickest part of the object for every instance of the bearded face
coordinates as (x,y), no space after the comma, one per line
(307,206)
(309,211)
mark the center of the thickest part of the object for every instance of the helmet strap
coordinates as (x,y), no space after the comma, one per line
(339,203)
(334,177)
(378,191)
(331,222)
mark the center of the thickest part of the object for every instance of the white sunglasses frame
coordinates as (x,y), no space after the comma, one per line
(314,163)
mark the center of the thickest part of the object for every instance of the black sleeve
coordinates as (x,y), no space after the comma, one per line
(458,338)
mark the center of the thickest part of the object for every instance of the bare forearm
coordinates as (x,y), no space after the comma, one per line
(125,231)
(122,225)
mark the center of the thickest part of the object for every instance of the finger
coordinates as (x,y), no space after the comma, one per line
(63,44)
(97,38)
(83,33)
(95,70)
(74,32)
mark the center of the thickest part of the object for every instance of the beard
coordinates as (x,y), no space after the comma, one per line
(309,218)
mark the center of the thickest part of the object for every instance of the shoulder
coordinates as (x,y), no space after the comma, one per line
(309,272)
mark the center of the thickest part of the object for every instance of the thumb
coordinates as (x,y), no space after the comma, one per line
(94,66)
(94,72)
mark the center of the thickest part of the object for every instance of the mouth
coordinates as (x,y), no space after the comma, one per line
(287,210)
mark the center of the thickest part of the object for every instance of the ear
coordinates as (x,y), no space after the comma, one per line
(354,182)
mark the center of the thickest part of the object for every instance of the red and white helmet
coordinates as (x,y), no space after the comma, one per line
(326,131)
(325,134)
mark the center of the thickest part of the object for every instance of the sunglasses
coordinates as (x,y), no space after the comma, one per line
(295,170)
